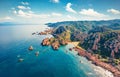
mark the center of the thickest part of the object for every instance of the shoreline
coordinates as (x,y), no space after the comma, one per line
(103,72)
(95,60)
(89,56)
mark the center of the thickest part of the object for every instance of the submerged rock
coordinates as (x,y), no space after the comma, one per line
(30,48)
(33,33)
(21,60)
(37,53)
(70,49)
(18,56)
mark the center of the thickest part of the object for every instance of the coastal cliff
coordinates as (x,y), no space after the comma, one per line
(97,37)
(100,39)
(54,42)
(95,60)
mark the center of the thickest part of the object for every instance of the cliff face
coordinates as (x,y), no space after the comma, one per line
(59,30)
(61,33)
(69,33)
(103,42)
(101,37)
(46,42)
(78,36)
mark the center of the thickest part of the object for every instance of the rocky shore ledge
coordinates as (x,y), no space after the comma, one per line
(55,43)
(97,62)
(45,32)
(48,31)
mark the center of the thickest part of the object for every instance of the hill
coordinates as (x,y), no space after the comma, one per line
(98,37)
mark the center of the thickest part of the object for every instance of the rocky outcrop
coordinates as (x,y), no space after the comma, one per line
(46,42)
(30,48)
(45,32)
(54,42)
(42,33)
(21,60)
(37,53)
(63,42)
(51,41)
(55,45)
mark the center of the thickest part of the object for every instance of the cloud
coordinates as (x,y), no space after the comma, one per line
(56,14)
(55,1)
(26,12)
(25,3)
(14,11)
(41,15)
(30,11)
(22,13)
(8,18)
(91,13)
(30,14)
(71,18)
(5,19)
(23,7)
(69,9)
(113,11)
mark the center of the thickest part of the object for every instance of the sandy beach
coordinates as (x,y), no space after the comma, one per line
(74,43)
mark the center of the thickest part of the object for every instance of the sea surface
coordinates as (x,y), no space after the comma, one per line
(14,43)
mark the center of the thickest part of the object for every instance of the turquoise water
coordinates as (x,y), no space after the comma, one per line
(14,43)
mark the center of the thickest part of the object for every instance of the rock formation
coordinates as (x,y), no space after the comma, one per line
(30,48)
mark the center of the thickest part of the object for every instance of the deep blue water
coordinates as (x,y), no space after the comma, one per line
(14,42)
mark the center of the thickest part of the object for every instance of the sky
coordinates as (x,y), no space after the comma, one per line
(44,11)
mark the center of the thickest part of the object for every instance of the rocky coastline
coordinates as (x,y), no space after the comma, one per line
(55,43)
(59,39)
(97,62)
(45,32)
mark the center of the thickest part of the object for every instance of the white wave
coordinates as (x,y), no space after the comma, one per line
(103,72)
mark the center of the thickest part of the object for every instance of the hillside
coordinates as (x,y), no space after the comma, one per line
(85,26)
(106,44)
(99,37)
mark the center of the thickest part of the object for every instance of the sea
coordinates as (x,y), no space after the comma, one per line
(14,43)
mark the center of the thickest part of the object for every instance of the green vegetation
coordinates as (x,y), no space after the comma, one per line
(97,37)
